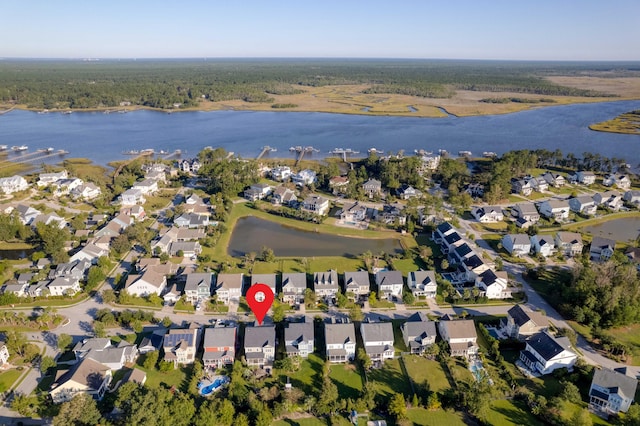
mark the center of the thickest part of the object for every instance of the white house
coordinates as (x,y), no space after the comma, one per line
(66,186)
(325,284)
(64,286)
(131,197)
(493,285)
(4,353)
(586,177)
(46,179)
(460,335)
(299,338)
(422,283)
(555,209)
(488,214)
(315,204)
(378,340)
(150,282)
(523,322)
(526,210)
(583,204)
(612,391)
(543,244)
(88,376)
(280,173)
(90,253)
(304,177)
(517,244)
(554,179)
(357,283)
(389,284)
(12,184)
(87,192)
(632,197)
(544,354)
(601,248)
(229,288)
(340,341)
(294,285)
(569,243)
(620,181)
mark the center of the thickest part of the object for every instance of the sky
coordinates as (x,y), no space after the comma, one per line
(442,29)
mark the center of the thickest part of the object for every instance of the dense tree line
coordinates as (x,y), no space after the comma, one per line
(226,176)
(161,84)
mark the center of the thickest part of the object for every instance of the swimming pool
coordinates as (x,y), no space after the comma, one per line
(212,387)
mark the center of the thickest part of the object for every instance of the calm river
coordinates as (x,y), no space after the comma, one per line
(104,137)
(626,229)
(251,234)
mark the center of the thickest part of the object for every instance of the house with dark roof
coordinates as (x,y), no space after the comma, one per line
(545,353)
(340,341)
(372,187)
(517,244)
(198,287)
(152,342)
(299,338)
(611,391)
(357,284)
(229,288)
(543,244)
(461,252)
(461,336)
(180,345)
(422,283)
(488,214)
(601,249)
(219,346)
(406,192)
(378,340)
(88,377)
(441,232)
(325,284)
(419,333)
(268,279)
(294,285)
(259,345)
(522,322)
(390,284)
(494,284)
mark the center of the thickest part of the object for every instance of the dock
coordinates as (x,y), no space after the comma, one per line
(33,156)
(299,157)
(265,150)
(173,154)
(144,153)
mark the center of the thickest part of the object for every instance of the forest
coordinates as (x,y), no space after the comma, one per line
(50,84)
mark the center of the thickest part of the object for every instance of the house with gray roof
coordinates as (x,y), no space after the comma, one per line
(372,188)
(601,249)
(198,287)
(390,284)
(517,244)
(583,204)
(88,377)
(268,279)
(545,353)
(219,346)
(611,391)
(422,283)
(299,338)
(569,243)
(14,287)
(557,210)
(357,284)
(586,177)
(259,345)
(526,210)
(543,244)
(340,341)
(81,349)
(378,340)
(325,284)
(523,322)
(419,333)
(632,197)
(294,285)
(488,214)
(461,336)
(229,288)
(315,204)
(63,286)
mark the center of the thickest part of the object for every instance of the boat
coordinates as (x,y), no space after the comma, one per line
(464,153)
(178,151)
(67,112)
(163,152)
(310,149)
(374,151)
(131,152)
(3,147)
(443,152)
(44,111)
(489,154)
(296,148)
(351,151)
(274,149)
(19,148)
(337,151)
(50,149)
(147,151)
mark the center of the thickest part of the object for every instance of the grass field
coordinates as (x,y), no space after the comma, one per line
(347,379)
(630,336)
(504,412)
(390,379)
(8,378)
(423,417)
(424,370)
(309,377)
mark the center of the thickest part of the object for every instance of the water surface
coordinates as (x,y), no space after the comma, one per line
(625,229)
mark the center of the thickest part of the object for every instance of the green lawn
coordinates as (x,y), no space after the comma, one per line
(421,369)
(421,416)
(348,379)
(390,379)
(171,378)
(630,336)
(308,378)
(7,379)
(504,412)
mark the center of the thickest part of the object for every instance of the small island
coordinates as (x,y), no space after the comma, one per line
(627,123)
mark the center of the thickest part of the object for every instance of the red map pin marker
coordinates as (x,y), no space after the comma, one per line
(259,299)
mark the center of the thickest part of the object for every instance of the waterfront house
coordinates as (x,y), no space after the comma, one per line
(284,196)
(372,188)
(422,283)
(280,173)
(601,249)
(294,285)
(632,197)
(545,353)
(219,346)
(88,377)
(299,338)
(46,179)
(583,204)
(257,191)
(268,279)
(538,183)
(428,163)
(181,344)
(340,341)
(198,287)
(357,285)
(419,333)
(316,204)
(619,181)
(392,214)
(13,184)
(460,335)
(487,214)
(354,214)
(377,339)
(611,391)
(569,243)
(521,186)
(586,177)
(65,186)
(406,192)
(517,244)
(390,285)
(325,284)
(260,345)
(557,210)
(543,244)
(338,184)
(188,248)
(229,288)
(526,210)
(493,285)
(147,186)
(149,282)
(611,200)
(554,179)
(131,197)
(523,322)
(304,177)
(476,190)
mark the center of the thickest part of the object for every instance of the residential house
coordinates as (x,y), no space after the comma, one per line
(131,197)
(88,377)
(441,232)
(77,269)
(180,345)
(316,204)
(619,181)
(372,188)
(64,286)
(147,186)
(125,215)
(41,288)
(219,346)
(325,284)
(554,179)
(284,196)
(172,295)
(90,253)
(152,342)
(523,322)
(419,333)
(476,190)
(521,186)
(294,285)
(422,283)
(268,279)
(339,184)
(260,345)
(229,288)
(493,284)
(340,341)
(27,214)
(632,197)
(45,179)
(601,249)
(555,209)
(357,284)
(472,267)
(354,214)
(187,248)
(49,219)
(111,356)
(4,353)
(13,184)
(583,204)
(280,173)
(198,287)
(538,183)
(586,177)
(378,340)
(487,214)
(390,284)
(406,192)
(611,391)
(516,244)
(543,244)
(392,214)
(460,335)
(611,200)
(569,243)
(428,163)
(149,282)
(304,177)
(526,210)
(299,338)
(192,220)
(545,353)
(189,234)
(16,288)
(258,191)
(65,186)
